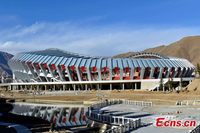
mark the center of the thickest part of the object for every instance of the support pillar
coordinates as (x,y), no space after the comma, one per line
(142,73)
(10,87)
(13,88)
(86,87)
(34,94)
(122,121)
(37,87)
(122,86)
(64,87)
(168,72)
(74,87)
(45,87)
(160,73)
(110,86)
(79,87)
(180,84)
(54,87)
(114,120)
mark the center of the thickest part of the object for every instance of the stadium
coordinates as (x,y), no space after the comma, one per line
(68,70)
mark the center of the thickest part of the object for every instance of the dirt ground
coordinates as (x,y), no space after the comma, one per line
(167,98)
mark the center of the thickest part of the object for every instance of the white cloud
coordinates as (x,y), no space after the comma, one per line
(94,40)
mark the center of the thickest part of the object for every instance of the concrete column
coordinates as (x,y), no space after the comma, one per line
(37,71)
(142,73)
(175,73)
(110,86)
(38,88)
(180,85)
(86,87)
(135,86)
(44,71)
(50,71)
(45,87)
(123,121)
(59,72)
(74,87)
(78,74)
(131,73)
(152,72)
(113,119)
(54,87)
(34,93)
(99,74)
(121,73)
(10,87)
(160,73)
(122,86)
(88,74)
(64,87)
(110,73)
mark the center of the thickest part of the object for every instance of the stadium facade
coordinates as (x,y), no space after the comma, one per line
(57,66)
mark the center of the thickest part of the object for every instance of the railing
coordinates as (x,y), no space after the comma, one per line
(138,103)
(122,101)
(123,124)
(109,119)
(107,103)
(129,126)
(188,103)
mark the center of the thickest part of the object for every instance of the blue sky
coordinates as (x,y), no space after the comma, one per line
(95,27)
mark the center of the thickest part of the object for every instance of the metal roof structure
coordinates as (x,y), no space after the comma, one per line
(66,66)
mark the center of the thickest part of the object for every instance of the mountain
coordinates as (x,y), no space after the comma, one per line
(187,47)
(4,68)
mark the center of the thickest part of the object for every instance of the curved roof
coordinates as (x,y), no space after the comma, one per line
(60,57)
(61,53)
